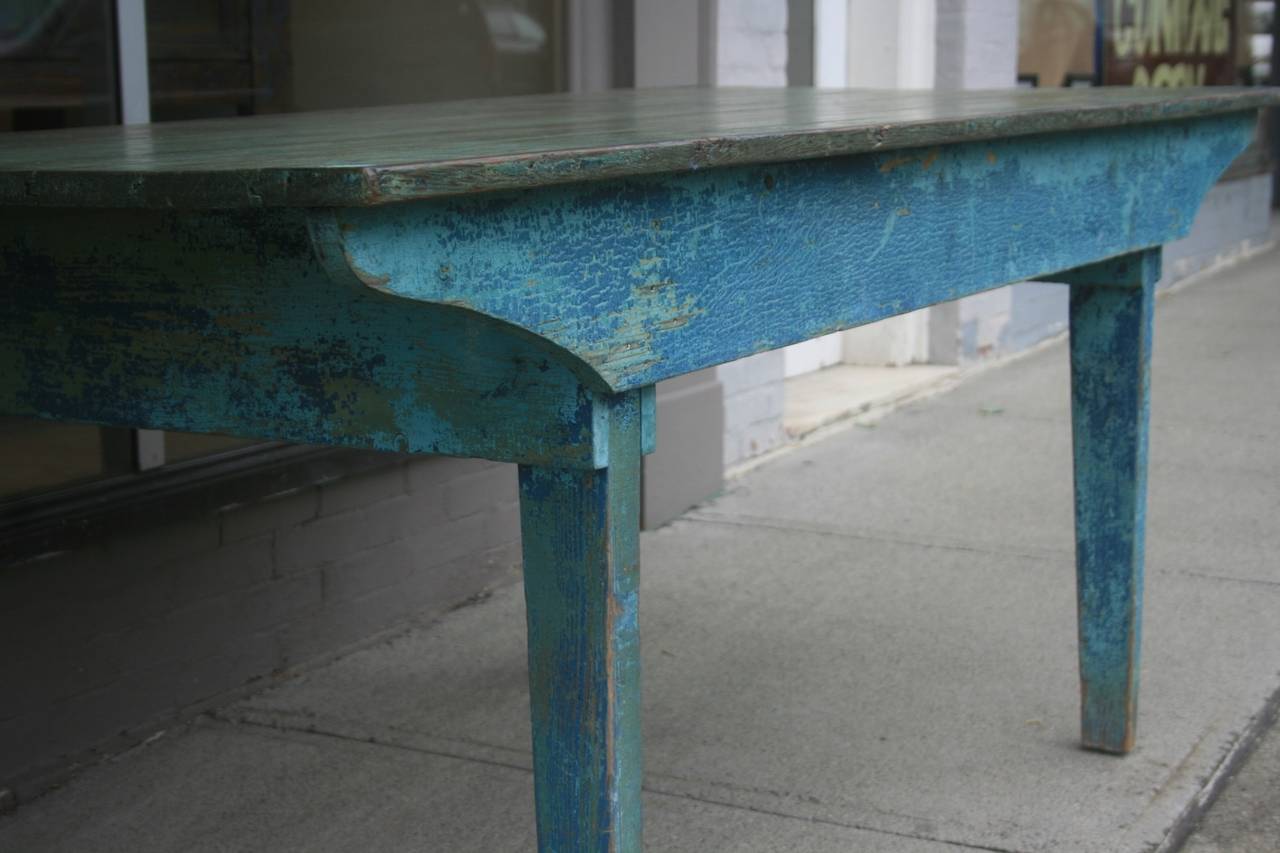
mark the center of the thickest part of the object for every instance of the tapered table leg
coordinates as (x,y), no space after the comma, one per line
(1111,314)
(581,570)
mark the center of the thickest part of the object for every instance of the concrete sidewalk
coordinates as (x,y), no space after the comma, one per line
(867,644)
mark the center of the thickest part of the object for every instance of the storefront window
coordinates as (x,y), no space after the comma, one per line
(1162,43)
(220,57)
(57,69)
(1056,41)
(424,51)
(1135,42)
(57,64)
(37,456)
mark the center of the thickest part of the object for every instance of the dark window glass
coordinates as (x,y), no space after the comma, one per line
(57,64)
(57,69)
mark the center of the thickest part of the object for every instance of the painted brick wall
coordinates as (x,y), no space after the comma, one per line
(751,43)
(751,50)
(977,48)
(124,633)
(1234,218)
(977,44)
(754,395)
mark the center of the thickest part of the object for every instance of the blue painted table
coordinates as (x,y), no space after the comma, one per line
(508,279)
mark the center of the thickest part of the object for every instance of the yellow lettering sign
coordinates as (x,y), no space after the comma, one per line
(1142,28)
(1122,36)
(1171,75)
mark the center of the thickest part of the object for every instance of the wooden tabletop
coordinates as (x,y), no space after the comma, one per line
(390,154)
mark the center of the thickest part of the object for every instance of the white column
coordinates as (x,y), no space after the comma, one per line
(135,108)
(590,57)
(917,44)
(831,21)
(891,46)
(131,38)
(674,44)
(830,43)
(750,49)
(751,43)
(977,44)
(978,49)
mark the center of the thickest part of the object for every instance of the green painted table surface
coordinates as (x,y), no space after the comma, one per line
(509,278)
(401,153)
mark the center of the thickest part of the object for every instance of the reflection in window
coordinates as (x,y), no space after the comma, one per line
(57,69)
(37,456)
(1056,41)
(402,51)
(182,446)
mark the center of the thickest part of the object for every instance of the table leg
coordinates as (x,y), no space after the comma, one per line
(581,533)
(1111,313)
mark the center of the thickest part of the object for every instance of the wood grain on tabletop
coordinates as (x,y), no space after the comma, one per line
(387,154)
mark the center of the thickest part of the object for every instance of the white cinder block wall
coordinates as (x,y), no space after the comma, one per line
(751,50)
(751,43)
(889,46)
(977,44)
(977,48)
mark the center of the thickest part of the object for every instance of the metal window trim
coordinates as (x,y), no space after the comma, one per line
(50,522)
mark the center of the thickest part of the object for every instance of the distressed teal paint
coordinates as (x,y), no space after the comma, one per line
(228,322)
(1132,270)
(649,418)
(512,288)
(1111,314)
(283,324)
(653,277)
(582,571)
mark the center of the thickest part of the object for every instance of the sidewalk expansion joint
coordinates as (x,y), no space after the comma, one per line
(828,821)
(275,725)
(1043,554)
(277,722)
(1209,576)
(1040,554)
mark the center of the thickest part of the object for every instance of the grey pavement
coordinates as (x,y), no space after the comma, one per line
(866,644)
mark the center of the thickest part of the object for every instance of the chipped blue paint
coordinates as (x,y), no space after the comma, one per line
(649,418)
(652,277)
(582,571)
(1111,312)
(227,322)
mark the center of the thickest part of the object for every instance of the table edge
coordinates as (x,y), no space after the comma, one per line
(371,186)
